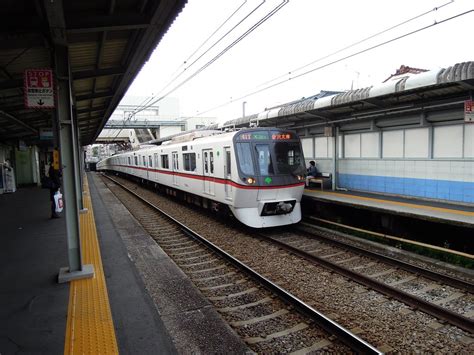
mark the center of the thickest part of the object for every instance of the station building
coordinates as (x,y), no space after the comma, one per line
(409,136)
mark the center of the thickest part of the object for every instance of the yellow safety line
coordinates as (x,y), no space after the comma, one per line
(405,204)
(90,328)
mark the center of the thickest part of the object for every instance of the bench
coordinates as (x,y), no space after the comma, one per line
(320,179)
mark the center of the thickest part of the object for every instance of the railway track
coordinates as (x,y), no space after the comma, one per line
(388,324)
(434,293)
(267,317)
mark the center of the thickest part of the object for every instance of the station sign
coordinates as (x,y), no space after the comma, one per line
(469,111)
(39,89)
(46,134)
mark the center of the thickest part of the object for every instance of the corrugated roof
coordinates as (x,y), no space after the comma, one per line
(454,83)
(108,41)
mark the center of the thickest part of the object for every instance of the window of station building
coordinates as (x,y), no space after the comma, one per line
(307,144)
(165,162)
(417,143)
(352,146)
(189,161)
(468,141)
(392,146)
(448,142)
(150,161)
(321,147)
(369,145)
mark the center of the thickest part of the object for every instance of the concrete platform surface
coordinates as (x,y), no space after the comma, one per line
(431,210)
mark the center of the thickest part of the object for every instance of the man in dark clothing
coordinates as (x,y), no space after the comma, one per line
(54,187)
(312,171)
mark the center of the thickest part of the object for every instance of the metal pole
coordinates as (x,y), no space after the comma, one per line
(77,166)
(243,108)
(70,174)
(335,152)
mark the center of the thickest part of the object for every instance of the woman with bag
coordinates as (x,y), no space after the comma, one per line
(54,187)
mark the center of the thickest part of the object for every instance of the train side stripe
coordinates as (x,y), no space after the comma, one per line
(210,178)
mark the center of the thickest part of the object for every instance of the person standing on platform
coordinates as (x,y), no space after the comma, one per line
(55,179)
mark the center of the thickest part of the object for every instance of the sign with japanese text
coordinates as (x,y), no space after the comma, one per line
(469,111)
(39,91)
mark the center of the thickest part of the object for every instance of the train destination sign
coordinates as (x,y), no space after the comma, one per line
(275,135)
(39,91)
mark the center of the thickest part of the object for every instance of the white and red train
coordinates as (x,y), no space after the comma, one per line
(258,173)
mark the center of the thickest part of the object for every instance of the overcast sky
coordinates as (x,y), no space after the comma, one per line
(300,33)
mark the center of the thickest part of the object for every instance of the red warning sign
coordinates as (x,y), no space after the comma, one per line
(469,111)
(39,90)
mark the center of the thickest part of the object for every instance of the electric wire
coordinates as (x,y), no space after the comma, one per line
(338,60)
(176,76)
(210,62)
(357,43)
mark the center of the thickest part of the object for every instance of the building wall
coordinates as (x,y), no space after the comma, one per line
(435,162)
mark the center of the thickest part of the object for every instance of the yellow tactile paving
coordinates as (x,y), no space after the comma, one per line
(405,204)
(90,328)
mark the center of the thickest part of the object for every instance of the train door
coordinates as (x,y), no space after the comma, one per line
(228,173)
(175,167)
(208,171)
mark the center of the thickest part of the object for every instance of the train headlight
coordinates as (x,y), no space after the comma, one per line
(299,177)
(250,180)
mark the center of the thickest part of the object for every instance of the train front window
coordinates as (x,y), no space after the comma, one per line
(265,166)
(244,155)
(289,158)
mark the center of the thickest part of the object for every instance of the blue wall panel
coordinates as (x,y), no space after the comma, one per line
(437,189)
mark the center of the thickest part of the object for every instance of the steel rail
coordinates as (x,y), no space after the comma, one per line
(348,338)
(432,275)
(411,300)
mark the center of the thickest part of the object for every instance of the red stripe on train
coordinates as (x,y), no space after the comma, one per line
(212,178)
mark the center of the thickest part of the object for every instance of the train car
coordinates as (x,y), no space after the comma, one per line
(257,173)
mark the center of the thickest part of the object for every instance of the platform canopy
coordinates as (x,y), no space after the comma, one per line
(108,42)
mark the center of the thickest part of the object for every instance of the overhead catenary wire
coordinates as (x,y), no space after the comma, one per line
(220,54)
(174,76)
(338,60)
(357,43)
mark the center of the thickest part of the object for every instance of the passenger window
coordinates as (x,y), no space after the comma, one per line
(245,158)
(189,161)
(265,165)
(211,160)
(227,163)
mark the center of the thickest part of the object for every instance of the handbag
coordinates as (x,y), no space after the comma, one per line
(58,201)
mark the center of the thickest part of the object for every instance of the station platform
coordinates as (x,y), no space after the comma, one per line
(138,302)
(461,215)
